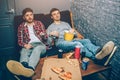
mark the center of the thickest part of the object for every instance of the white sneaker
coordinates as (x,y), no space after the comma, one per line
(106,50)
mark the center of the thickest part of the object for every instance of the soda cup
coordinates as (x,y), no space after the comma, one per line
(85,63)
(60,54)
(77,52)
(83,55)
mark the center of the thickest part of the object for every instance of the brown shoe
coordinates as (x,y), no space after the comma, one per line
(18,69)
(106,50)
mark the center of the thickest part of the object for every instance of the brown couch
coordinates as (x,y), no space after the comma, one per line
(46,20)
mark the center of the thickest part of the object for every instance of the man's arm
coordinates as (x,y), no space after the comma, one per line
(20,36)
(50,36)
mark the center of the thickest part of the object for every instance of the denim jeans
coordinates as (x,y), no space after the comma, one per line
(85,45)
(32,56)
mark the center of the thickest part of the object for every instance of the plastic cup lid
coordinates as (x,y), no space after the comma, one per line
(86,59)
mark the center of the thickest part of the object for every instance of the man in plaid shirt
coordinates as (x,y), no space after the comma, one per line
(32,38)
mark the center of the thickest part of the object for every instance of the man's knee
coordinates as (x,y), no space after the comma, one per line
(25,51)
(87,40)
(41,48)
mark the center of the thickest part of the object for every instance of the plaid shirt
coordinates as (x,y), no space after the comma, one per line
(23,34)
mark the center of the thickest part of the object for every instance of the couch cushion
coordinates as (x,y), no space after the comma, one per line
(65,16)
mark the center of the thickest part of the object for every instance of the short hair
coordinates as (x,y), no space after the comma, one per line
(53,9)
(26,10)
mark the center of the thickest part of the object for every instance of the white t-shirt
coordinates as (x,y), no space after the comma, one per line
(33,38)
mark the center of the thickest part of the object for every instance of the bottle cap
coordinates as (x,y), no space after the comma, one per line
(86,59)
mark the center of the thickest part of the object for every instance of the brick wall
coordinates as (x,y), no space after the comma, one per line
(99,20)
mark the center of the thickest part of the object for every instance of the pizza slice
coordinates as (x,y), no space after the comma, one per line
(57,70)
(66,75)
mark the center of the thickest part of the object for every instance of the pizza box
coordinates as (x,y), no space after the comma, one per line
(69,65)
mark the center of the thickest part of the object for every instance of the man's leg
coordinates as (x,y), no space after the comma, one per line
(89,45)
(24,55)
(68,45)
(106,50)
(89,48)
(35,55)
(18,68)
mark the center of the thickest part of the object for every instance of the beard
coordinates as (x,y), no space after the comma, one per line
(29,20)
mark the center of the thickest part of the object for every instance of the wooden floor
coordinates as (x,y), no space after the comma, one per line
(95,77)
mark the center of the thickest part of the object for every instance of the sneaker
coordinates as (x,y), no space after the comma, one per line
(18,69)
(105,51)
(106,60)
(110,56)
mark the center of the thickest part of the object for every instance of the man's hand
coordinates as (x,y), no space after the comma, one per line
(72,30)
(28,46)
(54,33)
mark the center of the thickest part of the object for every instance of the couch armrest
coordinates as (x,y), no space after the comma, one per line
(79,35)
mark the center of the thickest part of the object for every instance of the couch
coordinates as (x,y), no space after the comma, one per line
(46,20)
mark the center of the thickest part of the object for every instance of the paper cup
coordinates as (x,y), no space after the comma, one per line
(85,63)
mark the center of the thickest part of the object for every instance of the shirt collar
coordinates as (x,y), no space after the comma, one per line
(26,24)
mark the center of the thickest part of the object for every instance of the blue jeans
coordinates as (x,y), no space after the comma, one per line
(32,56)
(85,44)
